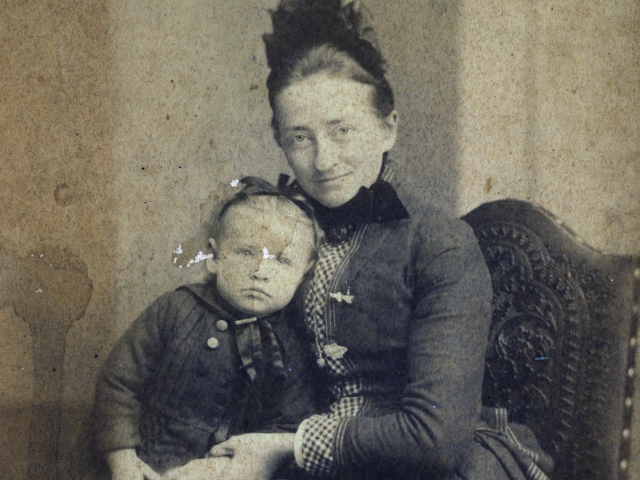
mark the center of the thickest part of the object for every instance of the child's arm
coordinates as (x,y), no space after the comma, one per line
(127,372)
(125,465)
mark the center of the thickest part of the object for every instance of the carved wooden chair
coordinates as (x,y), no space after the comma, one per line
(563,337)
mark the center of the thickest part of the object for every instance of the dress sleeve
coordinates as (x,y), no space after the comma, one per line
(126,374)
(440,403)
(314,445)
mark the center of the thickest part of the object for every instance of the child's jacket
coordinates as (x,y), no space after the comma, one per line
(189,373)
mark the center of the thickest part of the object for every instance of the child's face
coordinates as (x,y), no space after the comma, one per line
(261,257)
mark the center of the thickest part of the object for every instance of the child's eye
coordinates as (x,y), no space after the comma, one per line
(284,260)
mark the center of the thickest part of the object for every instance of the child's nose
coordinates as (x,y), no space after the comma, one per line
(261,271)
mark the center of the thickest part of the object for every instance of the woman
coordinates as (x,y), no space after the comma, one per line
(399,304)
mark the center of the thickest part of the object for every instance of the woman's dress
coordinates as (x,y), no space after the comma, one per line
(398,310)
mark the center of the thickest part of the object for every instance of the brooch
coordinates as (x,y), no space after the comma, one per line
(340,297)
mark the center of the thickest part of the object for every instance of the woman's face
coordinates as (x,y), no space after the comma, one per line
(332,136)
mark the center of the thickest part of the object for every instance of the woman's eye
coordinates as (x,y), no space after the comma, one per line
(298,139)
(341,132)
(245,252)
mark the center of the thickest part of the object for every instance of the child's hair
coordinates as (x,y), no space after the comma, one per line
(259,191)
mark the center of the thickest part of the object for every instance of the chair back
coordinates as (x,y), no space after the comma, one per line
(561,349)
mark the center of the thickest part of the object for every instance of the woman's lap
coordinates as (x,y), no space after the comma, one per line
(483,464)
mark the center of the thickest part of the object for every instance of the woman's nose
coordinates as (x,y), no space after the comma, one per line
(326,156)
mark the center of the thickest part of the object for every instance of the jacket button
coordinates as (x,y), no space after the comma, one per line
(212,342)
(222,325)
(221,400)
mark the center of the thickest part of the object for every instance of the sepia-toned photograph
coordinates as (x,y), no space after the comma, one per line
(319,239)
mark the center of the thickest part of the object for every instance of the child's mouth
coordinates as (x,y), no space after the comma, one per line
(258,291)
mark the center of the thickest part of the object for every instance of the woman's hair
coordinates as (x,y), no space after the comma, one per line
(260,193)
(313,36)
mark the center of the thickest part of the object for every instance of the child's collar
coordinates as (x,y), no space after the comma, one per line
(247,332)
(208,294)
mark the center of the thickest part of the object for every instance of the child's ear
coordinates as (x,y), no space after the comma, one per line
(211,263)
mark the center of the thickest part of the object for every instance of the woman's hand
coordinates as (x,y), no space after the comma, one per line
(201,469)
(254,456)
(125,465)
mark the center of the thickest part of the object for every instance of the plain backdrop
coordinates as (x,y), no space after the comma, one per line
(123,122)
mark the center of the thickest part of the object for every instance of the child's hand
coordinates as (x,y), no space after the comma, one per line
(125,465)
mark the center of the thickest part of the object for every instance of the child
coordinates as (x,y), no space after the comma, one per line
(217,359)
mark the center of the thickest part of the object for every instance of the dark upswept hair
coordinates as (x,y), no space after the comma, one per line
(311,36)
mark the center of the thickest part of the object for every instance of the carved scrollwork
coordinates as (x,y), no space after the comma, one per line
(535,331)
(559,356)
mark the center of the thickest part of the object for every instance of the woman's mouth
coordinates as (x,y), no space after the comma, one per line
(329,178)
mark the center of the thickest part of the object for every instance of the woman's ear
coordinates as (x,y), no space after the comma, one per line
(212,263)
(391,124)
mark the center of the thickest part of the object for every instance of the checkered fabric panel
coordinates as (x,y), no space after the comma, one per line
(347,407)
(318,444)
(329,258)
(319,431)
(348,387)
(318,437)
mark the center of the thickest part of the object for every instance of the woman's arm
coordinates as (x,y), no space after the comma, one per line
(125,465)
(447,343)
(437,413)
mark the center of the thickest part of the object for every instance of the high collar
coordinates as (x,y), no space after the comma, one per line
(378,203)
